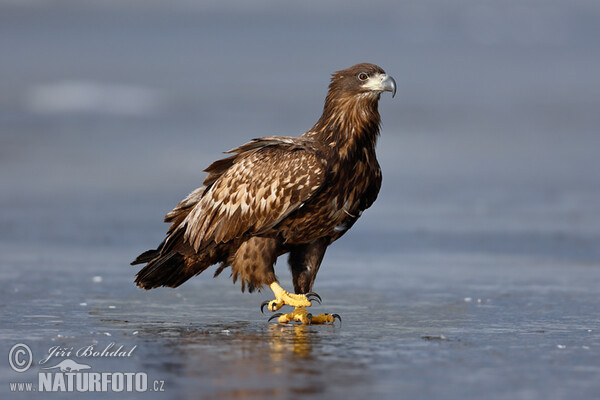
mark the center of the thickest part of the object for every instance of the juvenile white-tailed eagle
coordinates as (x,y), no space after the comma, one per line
(278,195)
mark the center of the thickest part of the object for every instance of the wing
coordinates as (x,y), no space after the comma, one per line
(177,215)
(253,191)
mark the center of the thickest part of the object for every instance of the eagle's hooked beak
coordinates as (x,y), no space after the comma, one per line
(389,84)
(381,83)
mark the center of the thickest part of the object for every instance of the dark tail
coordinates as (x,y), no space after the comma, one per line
(169,270)
(146,257)
(167,266)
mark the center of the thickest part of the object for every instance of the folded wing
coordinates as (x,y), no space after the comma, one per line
(251,192)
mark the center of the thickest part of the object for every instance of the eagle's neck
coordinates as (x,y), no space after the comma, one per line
(349,124)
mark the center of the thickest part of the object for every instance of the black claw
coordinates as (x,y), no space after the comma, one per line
(338,317)
(262,306)
(312,296)
(309,316)
(275,316)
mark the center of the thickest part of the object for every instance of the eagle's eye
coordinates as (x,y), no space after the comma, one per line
(363,76)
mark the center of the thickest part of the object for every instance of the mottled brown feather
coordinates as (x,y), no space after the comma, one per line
(276,195)
(263,185)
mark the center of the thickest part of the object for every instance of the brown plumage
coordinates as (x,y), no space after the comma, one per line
(277,195)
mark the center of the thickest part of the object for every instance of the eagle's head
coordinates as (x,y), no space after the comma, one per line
(362,80)
(350,112)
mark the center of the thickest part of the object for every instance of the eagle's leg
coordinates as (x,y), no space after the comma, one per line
(305,261)
(283,297)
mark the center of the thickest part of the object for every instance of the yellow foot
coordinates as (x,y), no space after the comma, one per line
(283,297)
(304,317)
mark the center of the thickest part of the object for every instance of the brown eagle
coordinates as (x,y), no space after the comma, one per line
(277,195)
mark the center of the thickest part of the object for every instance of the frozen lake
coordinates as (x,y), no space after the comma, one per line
(475,274)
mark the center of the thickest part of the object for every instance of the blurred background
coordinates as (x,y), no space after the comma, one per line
(110,110)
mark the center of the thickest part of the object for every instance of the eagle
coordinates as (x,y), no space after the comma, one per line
(280,195)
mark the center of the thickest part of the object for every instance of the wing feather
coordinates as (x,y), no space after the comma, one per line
(261,187)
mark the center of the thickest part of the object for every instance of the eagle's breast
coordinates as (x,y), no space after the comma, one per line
(350,189)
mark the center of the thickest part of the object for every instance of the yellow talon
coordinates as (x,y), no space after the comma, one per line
(299,302)
(298,315)
(325,318)
(283,297)
(304,317)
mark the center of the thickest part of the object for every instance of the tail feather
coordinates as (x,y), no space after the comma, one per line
(166,270)
(146,257)
(172,268)
(175,261)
